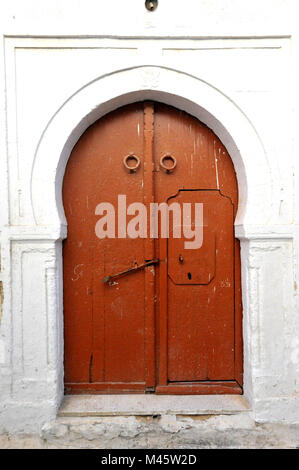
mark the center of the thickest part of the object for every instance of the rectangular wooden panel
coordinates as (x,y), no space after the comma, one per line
(200,388)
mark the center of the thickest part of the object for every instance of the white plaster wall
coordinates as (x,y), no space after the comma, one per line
(66,63)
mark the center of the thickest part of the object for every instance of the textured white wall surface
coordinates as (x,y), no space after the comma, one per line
(64,64)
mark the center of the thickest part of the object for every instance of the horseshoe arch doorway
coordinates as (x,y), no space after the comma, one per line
(168,320)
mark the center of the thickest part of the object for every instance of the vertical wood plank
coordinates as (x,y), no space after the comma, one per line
(149,248)
(163,348)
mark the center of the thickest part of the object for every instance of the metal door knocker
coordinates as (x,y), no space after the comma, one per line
(132,163)
(168,163)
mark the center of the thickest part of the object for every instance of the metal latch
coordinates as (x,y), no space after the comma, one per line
(130,270)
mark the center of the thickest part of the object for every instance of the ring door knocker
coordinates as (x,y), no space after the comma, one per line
(168,163)
(131,163)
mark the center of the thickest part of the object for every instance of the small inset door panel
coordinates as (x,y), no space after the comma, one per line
(192,265)
(200,285)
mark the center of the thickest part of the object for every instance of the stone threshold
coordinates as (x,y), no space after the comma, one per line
(151,405)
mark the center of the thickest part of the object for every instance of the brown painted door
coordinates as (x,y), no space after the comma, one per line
(171,321)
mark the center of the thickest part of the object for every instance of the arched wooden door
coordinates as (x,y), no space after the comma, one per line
(171,321)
